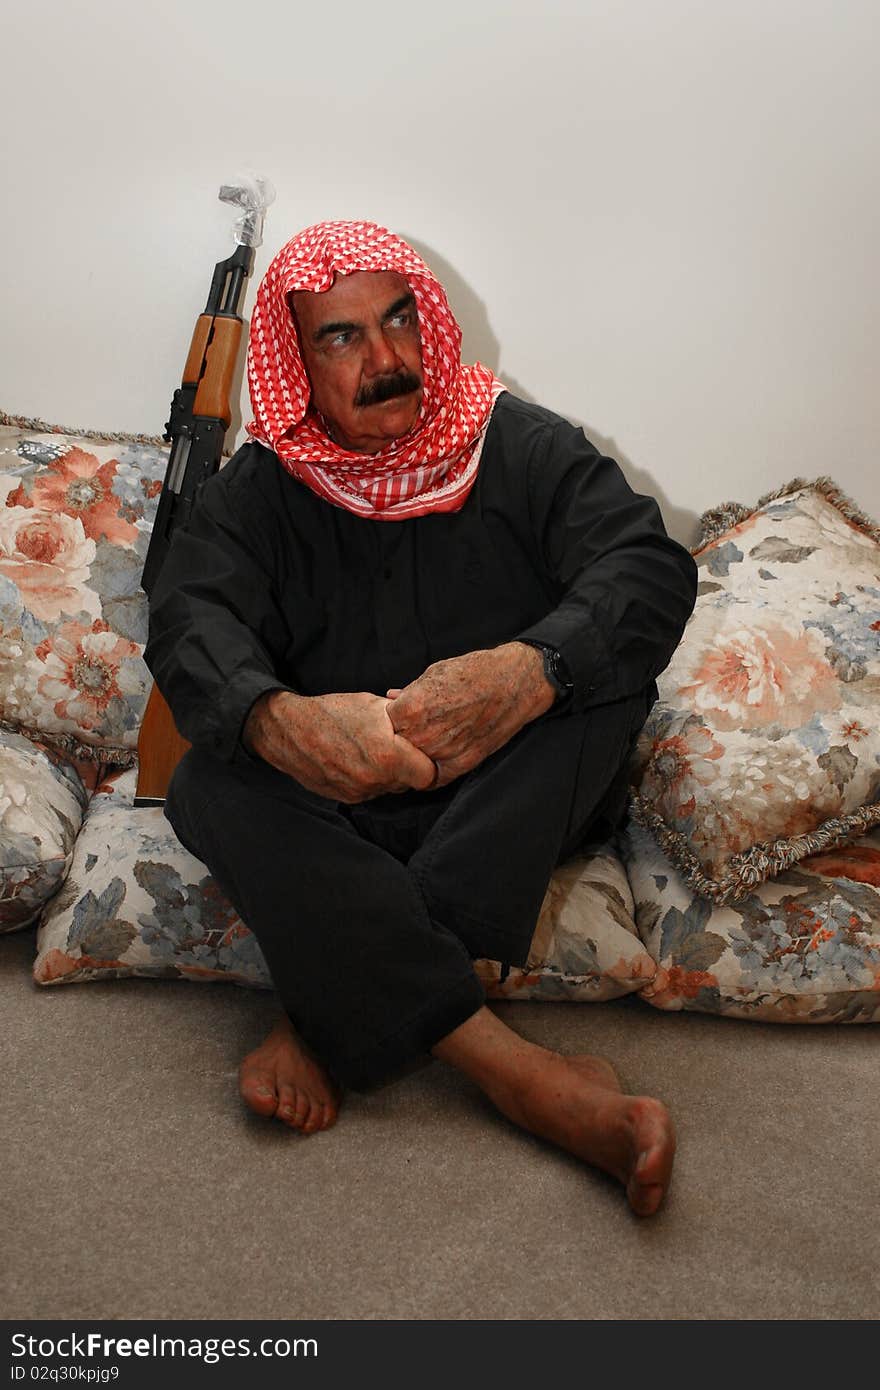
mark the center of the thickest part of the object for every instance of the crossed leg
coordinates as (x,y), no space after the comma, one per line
(574,1102)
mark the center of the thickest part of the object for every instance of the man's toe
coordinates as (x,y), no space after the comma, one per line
(645,1201)
(293,1106)
(313,1118)
(258,1092)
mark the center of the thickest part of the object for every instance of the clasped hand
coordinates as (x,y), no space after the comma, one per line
(341,746)
(461,710)
(355,746)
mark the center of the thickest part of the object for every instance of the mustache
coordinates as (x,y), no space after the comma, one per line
(385,388)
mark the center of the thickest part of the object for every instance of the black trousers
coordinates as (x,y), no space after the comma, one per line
(369,916)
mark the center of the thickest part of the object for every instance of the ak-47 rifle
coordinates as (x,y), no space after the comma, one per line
(200,416)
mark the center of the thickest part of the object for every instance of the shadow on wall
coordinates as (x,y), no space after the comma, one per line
(481,344)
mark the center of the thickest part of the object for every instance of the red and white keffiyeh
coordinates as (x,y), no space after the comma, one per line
(431,468)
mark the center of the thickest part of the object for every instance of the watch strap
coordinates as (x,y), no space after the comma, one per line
(555,669)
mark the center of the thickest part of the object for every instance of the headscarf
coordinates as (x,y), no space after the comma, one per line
(431,468)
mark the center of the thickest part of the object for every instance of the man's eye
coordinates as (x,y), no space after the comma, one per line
(401,320)
(341,339)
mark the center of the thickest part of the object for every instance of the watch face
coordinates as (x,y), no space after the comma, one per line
(555,668)
(552,668)
(553,662)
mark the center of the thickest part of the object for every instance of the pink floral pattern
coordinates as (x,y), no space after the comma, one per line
(48,558)
(75,519)
(748,671)
(84,666)
(79,485)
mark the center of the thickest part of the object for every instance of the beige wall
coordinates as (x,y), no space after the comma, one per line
(660,219)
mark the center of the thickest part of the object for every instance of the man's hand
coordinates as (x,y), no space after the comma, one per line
(340,746)
(461,710)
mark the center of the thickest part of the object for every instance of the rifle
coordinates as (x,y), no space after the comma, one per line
(200,417)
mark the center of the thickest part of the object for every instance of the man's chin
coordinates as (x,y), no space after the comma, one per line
(393,419)
(374,427)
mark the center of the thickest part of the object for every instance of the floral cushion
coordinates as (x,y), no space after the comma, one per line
(764,746)
(42,801)
(75,520)
(801,948)
(137,903)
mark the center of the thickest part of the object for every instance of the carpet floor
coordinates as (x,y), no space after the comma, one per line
(137,1186)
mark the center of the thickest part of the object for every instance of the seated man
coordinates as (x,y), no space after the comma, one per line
(412,632)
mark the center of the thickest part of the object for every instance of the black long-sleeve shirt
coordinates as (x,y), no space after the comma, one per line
(271,587)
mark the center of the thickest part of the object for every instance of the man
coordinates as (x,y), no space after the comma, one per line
(412,632)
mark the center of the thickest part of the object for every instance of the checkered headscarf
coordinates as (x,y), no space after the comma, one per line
(433,467)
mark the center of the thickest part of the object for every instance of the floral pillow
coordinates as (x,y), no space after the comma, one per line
(764,746)
(800,948)
(137,903)
(75,521)
(42,801)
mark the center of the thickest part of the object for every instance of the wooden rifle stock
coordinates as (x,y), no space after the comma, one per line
(221,339)
(160,749)
(200,416)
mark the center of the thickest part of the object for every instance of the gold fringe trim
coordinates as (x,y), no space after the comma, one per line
(72,747)
(22,422)
(717,520)
(746,870)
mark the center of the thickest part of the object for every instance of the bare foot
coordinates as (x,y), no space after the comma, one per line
(576,1102)
(283,1078)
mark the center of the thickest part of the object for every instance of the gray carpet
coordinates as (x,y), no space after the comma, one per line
(136,1186)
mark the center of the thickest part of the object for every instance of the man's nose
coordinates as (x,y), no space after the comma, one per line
(382,355)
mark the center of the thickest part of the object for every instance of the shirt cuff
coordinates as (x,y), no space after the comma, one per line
(240,696)
(584,650)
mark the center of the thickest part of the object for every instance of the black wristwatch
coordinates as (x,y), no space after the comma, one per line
(555,669)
